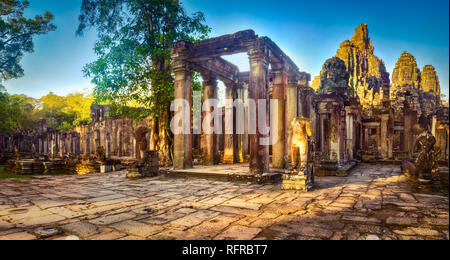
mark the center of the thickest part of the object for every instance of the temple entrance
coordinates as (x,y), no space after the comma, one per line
(240,129)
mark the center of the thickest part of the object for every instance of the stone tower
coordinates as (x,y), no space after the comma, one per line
(430,81)
(412,89)
(406,72)
(368,75)
(334,78)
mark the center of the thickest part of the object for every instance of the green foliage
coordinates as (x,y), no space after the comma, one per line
(62,113)
(16,111)
(16,35)
(135,37)
(196,84)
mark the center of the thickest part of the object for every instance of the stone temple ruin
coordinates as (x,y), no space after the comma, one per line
(354,112)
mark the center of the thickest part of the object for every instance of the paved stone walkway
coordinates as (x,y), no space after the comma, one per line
(375,202)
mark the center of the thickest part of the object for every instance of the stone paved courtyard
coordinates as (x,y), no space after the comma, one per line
(373,200)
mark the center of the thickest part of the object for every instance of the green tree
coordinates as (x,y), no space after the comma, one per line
(16,35)
(63,113)
(16,112)
(133,66)
(80,104)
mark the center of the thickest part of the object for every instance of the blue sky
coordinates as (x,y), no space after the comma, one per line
(308,31)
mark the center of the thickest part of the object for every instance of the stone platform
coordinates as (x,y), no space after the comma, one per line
(331,169)
(371,201)
(232,172)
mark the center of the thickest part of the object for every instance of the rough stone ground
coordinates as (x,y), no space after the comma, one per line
(373,200)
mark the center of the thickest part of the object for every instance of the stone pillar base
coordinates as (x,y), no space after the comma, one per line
(105,168)
(146,172)
(298,181)
(117,167)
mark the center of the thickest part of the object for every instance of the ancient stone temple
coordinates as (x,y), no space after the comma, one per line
(390,117)
(421,90)
(119,136)
(337,125)
(272,119)
(42,141)
(430,80)
(368,75)
(282,83)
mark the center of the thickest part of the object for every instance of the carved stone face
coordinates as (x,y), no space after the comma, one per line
(334,75)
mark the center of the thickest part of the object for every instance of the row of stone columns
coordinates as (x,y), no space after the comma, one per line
(258,91)
(58,144)
(116,144)
(284,92)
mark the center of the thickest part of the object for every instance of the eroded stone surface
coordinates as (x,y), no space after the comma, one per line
(368,74)
(374,200)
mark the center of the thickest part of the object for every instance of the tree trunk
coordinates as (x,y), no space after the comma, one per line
(161,136)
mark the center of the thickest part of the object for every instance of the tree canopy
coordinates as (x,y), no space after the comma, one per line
(16,111)
(133,65)
(61,112)
(16,35)
(135,37)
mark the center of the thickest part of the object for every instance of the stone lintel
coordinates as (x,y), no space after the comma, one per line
(372,124)
(223,45)
(224,70)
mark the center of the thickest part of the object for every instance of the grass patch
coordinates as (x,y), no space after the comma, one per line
(10,175)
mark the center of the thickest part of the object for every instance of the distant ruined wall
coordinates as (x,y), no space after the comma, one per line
(117,135)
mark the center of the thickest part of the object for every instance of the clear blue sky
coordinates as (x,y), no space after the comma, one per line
(309,31)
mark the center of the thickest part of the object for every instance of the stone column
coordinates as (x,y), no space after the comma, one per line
(134,152)
(335,135)
(209,146)
(53,145)
(108,146)
(384,136)
(246,111)
(343,132)
(350,135)
(114,139)
(40,146)
(291,107)
(410,119)
(240,126)
(46,145)
(433,126)
(279,145)
(183,96)
(229,138)
(257,90)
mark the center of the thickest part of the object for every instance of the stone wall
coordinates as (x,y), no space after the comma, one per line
(116,134)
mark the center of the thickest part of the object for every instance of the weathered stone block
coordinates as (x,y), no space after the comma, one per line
(299,182)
